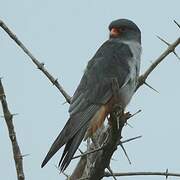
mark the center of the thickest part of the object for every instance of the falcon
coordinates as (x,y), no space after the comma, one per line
(118,58)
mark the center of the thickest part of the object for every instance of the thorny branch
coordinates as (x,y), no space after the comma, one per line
(39,65)
(101,147)
(100,160)
(166,174)
(18,158)
(170,49)
(112,134)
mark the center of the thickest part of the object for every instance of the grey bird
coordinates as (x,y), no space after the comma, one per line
(118,58)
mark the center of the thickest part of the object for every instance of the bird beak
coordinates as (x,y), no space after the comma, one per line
(114,32)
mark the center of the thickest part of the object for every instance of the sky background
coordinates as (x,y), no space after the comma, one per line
(65,35)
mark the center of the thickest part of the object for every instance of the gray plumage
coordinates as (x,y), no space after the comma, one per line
(118,57)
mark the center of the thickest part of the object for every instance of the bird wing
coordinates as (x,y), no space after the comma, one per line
(94,90)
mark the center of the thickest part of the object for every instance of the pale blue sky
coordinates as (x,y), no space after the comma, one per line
(65,35)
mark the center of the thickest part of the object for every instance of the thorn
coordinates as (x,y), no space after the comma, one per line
(15,114)
(163,40)
(131,139)
(25,155)
(111,172)
(166,173)
(150,87)
(64,102)
(177,23)
(128,124)
(80,151)
(168,45)
(89,152)
(124,150)
(41,65)
(113,159)
(55,81)
(135,113)
(176,55)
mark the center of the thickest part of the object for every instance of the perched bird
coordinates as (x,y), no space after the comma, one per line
(93,100)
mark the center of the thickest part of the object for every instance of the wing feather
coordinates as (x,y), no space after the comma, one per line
(94,90)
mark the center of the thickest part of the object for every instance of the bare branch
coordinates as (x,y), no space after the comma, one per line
(168,45)
(101,147)
(18,158)
(39,65)
(131,139)
(87,153)
(166,174)
(177,23)
(132,115)
(170,49)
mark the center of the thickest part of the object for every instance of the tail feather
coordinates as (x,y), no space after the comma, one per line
(71,148)
(71,132)
(58,143)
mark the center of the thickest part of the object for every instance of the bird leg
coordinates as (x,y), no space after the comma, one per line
(118,113)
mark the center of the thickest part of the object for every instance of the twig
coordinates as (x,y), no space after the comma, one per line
(168,45)
(39,65)
(132,115)
(177,23)
(170,49)
(131,139)
(18,158)
(111,172)
(107,174)
(125,152)
(87,153)
(149,86)
(101,147)
(167,173)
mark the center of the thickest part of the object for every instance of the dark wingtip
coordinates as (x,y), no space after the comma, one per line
(54,148)
(44,163)
(47,158)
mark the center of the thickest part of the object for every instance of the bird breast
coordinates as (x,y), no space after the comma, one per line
(128,89)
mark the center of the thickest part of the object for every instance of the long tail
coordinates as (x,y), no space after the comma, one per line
(71,148)
(71,135)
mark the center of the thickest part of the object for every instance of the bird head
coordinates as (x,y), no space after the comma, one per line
(124,29)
